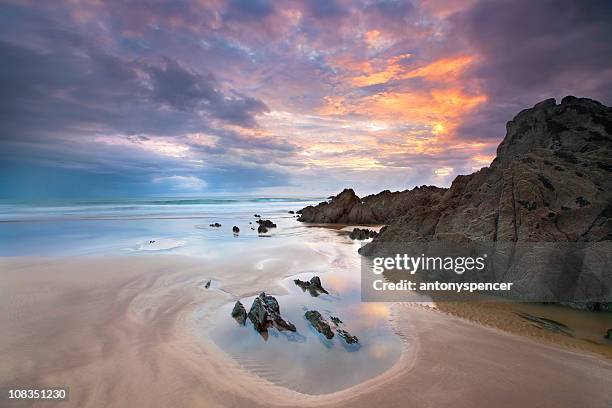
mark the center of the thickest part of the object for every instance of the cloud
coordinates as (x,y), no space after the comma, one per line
(104,97)
(529,51)
(183,183)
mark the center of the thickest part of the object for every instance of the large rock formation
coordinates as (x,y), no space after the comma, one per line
(551,181)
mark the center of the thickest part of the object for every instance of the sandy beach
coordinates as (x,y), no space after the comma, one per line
(119,332)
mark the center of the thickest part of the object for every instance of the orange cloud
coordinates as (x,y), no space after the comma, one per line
(443,70)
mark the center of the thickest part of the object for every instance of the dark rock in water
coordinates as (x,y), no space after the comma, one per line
(335,320)
(215,225)
(207,284)
(350,339)
(291,212)
(608,335)
(256,215)
(266,223)
(362,233)
(239,313)
(282,324)
(259,316)
(313,286)
(235,230)
(253,228)
(265,313)
(152,241)
(547,324)
(261,229)
(315,282)
(318,322)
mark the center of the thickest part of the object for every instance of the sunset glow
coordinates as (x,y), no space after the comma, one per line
(276,97)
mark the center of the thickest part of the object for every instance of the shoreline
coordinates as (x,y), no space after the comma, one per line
(132,332)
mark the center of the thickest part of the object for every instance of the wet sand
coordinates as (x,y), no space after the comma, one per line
(118,331)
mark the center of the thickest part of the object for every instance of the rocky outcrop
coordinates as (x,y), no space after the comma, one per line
(319,323)
(362,233)
(551,181)
(314,286)
(239,313)
(265,313)
(381,208)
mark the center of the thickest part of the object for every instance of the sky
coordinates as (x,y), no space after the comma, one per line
(117,98)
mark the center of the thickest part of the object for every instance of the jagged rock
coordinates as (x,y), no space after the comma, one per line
(318,322)
(350,339)
(215,225)
(239,313)
(513,198)
(265,313)
(362,233)
(381,208)
(235,230)
(266,223)
(313,286)
(258,315)
(261,229)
